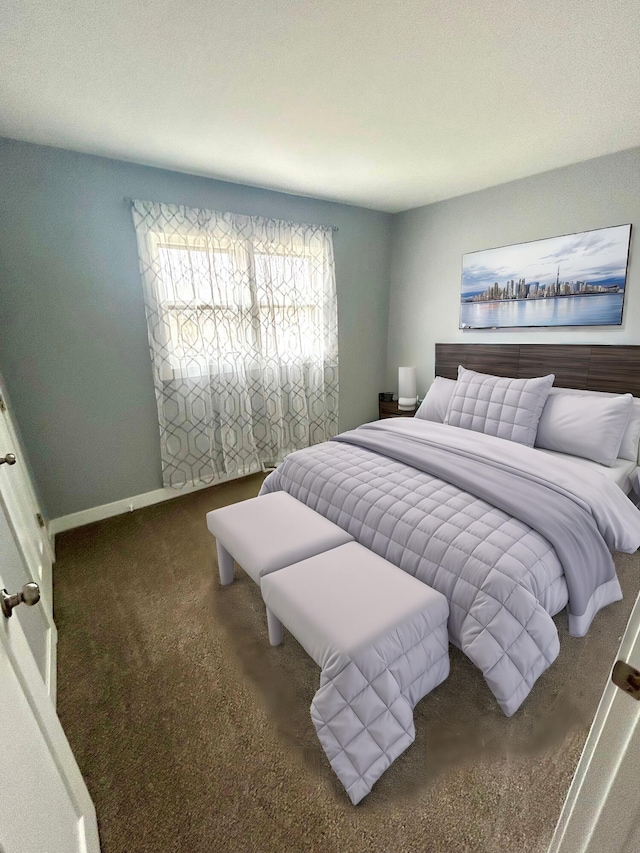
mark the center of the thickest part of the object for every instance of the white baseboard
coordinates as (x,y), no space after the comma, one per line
(98,513)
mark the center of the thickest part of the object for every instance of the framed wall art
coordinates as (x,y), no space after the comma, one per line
(574,280)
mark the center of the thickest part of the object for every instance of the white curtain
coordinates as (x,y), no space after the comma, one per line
(242,321)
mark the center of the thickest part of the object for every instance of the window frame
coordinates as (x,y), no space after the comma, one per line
(176,308)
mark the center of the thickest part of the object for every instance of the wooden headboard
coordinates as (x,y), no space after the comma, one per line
(593,368)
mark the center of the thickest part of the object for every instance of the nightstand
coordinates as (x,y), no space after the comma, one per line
(390,410)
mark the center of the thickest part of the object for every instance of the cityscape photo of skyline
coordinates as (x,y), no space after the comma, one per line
(577,279)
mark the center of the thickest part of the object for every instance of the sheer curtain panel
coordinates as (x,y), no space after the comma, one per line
(242,320)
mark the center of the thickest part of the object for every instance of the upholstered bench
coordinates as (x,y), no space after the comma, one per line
(380,637)
(264,534)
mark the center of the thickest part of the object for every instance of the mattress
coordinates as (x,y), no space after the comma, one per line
(620,472)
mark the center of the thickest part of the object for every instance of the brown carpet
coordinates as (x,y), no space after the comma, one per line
(194,735)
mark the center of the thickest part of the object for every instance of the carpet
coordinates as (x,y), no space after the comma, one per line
(194,735)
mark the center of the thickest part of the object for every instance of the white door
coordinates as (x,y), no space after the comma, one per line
(602,810)
(44,804)
(23,514)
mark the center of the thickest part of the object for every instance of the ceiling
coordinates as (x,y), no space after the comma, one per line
(388,105)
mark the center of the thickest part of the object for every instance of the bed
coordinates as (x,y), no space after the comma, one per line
(511,534)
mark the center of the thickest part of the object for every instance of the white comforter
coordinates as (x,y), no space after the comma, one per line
(501,577)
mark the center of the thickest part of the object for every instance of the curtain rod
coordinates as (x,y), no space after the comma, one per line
(286,221)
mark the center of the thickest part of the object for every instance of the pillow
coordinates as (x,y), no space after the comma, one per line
(585,425)
(629,448)
(496,405)
(631,437)
(435,404)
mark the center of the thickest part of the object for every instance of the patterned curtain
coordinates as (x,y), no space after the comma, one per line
(242,322)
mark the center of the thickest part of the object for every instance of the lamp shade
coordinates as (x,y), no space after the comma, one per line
(407,393)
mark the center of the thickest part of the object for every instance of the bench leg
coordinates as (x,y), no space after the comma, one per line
(275,628)
(225,564)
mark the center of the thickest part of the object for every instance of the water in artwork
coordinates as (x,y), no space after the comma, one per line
(603,309)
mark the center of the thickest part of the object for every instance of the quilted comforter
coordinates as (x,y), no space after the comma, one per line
(507,534)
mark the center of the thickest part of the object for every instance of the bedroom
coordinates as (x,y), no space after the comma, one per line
(73,342)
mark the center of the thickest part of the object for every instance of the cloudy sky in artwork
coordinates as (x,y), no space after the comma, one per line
(591,256)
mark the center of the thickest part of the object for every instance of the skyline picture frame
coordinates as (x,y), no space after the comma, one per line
(572,280)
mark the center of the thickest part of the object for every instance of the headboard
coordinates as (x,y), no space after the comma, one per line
(592,368)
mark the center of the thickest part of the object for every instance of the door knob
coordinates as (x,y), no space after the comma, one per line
(29,594)
(10,459)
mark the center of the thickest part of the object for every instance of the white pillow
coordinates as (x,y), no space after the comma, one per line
(497,405)
(585,426)
(631,435)
(629,448)
(435,404)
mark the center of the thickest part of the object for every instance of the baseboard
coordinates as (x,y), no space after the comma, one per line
(98,513)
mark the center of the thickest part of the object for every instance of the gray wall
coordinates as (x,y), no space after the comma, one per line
(429,243)
(73,347)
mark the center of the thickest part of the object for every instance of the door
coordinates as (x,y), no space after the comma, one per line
(602,810)
(23,514)
(44,804)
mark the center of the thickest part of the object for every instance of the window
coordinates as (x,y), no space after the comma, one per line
(242,323)
(213,313)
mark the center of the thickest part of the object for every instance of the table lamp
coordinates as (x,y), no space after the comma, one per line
(407,393)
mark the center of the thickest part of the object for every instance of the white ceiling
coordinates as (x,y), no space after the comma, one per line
(388,105)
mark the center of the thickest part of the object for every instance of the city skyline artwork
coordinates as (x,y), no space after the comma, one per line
(573,280)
